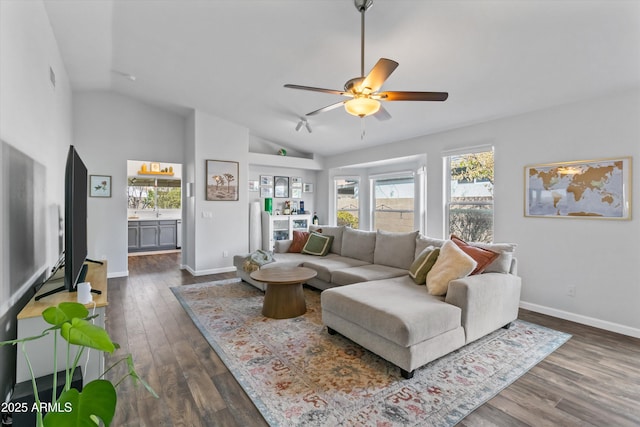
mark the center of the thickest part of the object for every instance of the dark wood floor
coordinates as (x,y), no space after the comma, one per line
(592,380)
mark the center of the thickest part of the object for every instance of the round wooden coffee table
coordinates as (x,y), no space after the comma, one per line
(284,297)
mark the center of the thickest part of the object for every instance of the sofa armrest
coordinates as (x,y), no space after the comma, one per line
(281,246)
(488,301)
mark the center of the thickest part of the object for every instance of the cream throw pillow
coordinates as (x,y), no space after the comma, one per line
(452,263)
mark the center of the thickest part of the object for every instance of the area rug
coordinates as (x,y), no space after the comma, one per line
(298,374)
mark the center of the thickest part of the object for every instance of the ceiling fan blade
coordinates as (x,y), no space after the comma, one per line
(379,73)
(327,108)
(382,114)
(318,89)
(412,96)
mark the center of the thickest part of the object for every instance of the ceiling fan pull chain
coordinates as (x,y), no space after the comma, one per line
(362,129)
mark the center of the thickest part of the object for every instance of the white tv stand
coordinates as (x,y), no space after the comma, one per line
(40,352)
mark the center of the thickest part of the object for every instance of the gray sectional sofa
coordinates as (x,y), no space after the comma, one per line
(369,297)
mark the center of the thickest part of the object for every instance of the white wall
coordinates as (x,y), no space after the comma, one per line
(189,203)
(108,130)
(227,230)
(598,257)
(35,116)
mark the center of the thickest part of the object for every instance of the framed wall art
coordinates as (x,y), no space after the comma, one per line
(266,191)
(254,185)
(579,189)
(222,180)
(99,185)
(281,186)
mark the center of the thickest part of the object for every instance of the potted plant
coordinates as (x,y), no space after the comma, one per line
(97,400)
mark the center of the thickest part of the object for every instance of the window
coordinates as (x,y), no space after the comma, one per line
(153,193)
(347,202)
(469,196)
(393,198)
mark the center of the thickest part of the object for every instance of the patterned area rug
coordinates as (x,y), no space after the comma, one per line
(298,374)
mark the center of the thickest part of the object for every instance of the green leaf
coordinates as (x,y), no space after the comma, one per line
(82,332)
(79,409)
(136,377)
(64,312)
(18,341)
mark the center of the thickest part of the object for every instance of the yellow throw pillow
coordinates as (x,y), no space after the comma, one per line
(452,264)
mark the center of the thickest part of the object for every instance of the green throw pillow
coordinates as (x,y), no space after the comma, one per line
(317,244)
(421,266)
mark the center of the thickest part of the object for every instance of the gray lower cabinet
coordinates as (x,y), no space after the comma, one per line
(167,234)
(133,236)
(152,235)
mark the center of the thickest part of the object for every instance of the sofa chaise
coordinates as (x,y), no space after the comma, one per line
(371,297)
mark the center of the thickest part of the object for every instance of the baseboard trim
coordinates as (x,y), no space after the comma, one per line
(584,320)
(115,274)
(209,271)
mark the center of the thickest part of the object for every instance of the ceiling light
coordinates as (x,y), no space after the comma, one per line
(362,106)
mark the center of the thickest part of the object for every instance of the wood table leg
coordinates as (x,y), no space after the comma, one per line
(284,301)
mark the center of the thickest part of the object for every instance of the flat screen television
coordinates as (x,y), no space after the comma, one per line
(75,219)
(75,225)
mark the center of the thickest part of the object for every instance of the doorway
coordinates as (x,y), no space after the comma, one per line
(154,207)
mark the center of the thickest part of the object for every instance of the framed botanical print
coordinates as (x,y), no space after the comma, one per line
(100,186)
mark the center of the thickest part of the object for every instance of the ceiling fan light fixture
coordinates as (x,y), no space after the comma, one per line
(362,106)
(305,123)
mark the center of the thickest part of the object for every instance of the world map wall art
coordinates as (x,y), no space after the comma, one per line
(584,189)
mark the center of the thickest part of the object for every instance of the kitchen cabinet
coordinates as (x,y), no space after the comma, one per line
(152,235)
(281,227)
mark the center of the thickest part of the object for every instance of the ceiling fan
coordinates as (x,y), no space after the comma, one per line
(364,91)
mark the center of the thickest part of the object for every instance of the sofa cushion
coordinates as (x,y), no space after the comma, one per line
(324,266)
(502,264)
(317,244)
(299,240)
(452,263)
(395,309)
(395,249)
(482,256)
(287,260)
(423,264)
(422,242)
(365,273)
(336,232)
(359,244)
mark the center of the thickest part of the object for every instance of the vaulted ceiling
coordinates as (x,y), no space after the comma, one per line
(231,58)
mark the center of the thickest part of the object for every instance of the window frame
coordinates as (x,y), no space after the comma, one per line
(415,176)
(446,158)
(337,178)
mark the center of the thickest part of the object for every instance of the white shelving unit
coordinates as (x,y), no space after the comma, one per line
(281,227)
